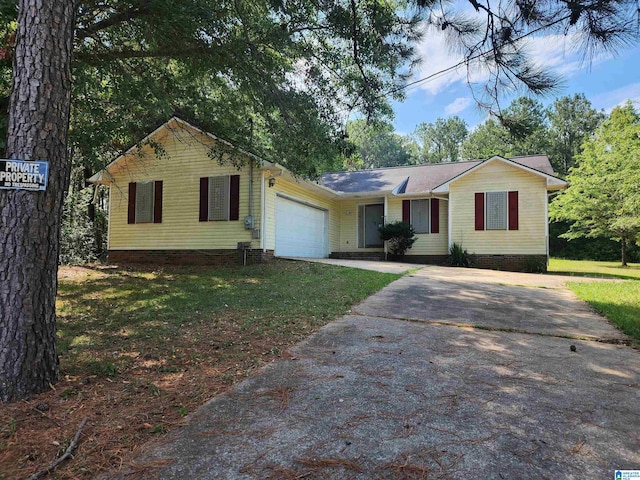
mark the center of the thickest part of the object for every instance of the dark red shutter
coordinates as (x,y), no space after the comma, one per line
(204,199)
(435,215)
(479,211)
(131,214)
(157,202)
(406,211)
(513,210)
(234,197)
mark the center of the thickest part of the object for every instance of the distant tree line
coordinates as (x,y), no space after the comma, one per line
(525,127)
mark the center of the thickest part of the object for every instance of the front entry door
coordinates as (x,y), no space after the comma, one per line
(371,218)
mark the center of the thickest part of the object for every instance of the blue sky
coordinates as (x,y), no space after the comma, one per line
(608,80)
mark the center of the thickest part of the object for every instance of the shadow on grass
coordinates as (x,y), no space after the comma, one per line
(625,273)
(140,308)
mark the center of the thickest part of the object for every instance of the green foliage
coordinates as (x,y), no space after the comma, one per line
(441,141)
(376,145)
(82,240)
(599,248)
(535,265)
(268,76)
(521,129)
(400,235)
(603,197)
(571,121)
(458,256)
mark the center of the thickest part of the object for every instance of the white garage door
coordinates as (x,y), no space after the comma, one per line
(301,230)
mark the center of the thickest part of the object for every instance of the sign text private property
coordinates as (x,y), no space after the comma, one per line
(23,175)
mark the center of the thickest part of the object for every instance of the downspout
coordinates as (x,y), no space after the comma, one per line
(449,220)
(546,225)
(251,188)
(263,210)
(384,220)
(251,224)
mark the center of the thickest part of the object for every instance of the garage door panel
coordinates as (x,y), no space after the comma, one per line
(301,230)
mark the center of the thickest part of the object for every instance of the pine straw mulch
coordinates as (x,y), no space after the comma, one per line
(124,411)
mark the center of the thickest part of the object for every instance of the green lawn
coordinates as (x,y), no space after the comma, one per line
(618,301)
(590,268)
(146,308)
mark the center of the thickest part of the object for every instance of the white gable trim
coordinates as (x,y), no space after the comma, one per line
(553,183)
(105,178)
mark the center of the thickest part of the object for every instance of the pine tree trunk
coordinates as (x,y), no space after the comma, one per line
(30,221)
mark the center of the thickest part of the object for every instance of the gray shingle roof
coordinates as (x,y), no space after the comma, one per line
(422,178)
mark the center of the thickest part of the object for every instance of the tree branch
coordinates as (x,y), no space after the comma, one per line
(67,453)
(141,9)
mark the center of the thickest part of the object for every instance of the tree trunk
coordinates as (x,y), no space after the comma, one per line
(30,221)
(623,251)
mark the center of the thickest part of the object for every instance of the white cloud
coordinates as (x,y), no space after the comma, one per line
(437,56)
(608,100)
(554,52)
(458,105)
(561,53)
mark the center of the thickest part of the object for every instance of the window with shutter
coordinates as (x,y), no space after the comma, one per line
(145,193)
(496,210)
(420,215)
(219,198)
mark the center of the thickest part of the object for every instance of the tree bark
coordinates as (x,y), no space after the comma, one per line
(30,221)
(623,251)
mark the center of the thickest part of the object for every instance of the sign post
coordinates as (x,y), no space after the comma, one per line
(24,175)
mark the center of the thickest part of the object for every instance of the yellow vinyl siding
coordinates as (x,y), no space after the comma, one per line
(184,161)
(427,243)
(348,211)
(298,191)
(529,239)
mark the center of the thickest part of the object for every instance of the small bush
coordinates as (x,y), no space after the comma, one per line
(458,256)
(535,265)
(400,235)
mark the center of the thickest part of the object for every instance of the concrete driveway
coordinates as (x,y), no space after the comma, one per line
(436,376)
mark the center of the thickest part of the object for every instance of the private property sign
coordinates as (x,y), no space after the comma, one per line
(23,175)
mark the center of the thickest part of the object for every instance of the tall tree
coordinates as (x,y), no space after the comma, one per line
(520,130)
(30,221)
(376,145)
(298,67)
(572,120)
(603,198)
(440,141)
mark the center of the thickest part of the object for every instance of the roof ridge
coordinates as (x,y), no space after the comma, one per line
(400,167)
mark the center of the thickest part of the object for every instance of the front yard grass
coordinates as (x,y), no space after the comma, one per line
(141,347)
(618,301)
(590,268)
